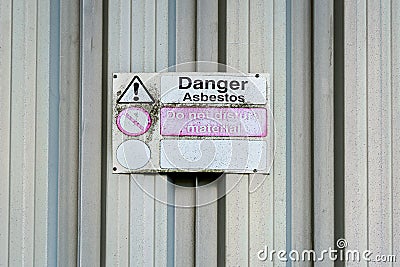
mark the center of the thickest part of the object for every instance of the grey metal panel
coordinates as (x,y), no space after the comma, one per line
(379,123)
(206,215)
(143,58)
(323,128)
(23,134)
(207,35)
(53,127)
(261,187)
(25,88)
(206,224)
(143,38)
(237,35)
(187,52)
(356,176)
(160,220)
(186,34)
(236,201)
(395,56)
(280,118)
(237,220)
(142,220)
(301,125)
(161,35)
(90,133)
(118,186)
(160,182)
(149,53)
(117,221)
(138,34)
(45,208)
(5,110)
(68,134)
(371,124)
(185,200)
(185,216)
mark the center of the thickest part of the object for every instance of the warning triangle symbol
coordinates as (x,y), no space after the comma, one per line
(135,92)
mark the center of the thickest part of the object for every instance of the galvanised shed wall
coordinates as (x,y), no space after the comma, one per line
(335,79)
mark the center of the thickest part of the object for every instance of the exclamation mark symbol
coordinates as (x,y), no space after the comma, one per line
(136,91)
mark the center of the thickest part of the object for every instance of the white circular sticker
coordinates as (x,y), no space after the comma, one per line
(133,154)
(133,121)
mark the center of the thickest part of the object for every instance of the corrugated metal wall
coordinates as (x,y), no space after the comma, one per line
(336,110)
(149,36)
(323,127)
(372,133)
(42,72)
(27,233)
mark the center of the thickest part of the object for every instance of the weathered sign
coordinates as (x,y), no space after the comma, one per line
(191,122)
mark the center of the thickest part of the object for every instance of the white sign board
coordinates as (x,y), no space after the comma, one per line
(203,89)
(190,122)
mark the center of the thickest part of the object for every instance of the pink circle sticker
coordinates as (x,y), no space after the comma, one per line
(133,121)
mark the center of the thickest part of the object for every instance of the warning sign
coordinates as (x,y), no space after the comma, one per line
(190,122)
(135,92)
